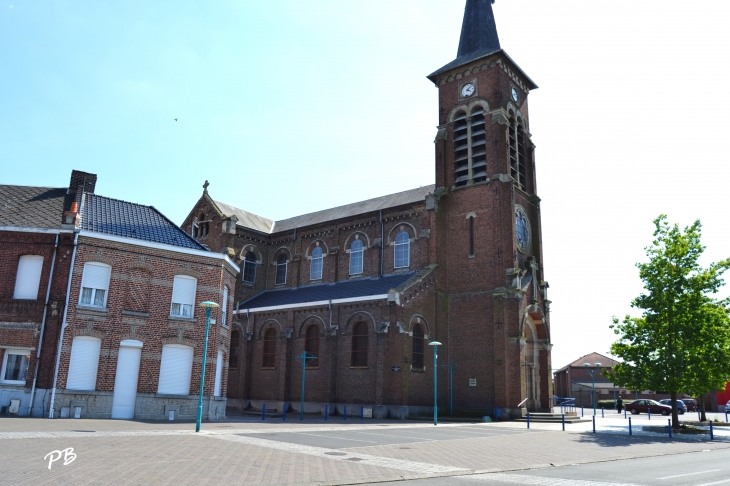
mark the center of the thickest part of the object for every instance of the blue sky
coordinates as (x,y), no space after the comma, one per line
(294,106)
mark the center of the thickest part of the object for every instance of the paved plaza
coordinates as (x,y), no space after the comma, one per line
(247,450)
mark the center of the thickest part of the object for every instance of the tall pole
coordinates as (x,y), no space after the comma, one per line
(304,378)
(451,388)
(593,380)
(435,345)
(202,373)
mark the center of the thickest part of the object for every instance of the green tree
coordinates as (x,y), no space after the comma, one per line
(681,342)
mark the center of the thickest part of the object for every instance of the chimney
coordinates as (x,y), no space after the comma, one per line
(71,217)
(83,180)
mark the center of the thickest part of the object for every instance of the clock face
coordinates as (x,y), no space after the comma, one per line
(467,90)
(515,94)
(522,225)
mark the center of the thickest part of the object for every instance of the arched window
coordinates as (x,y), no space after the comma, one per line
(233,355)
(356,257)
(249,268)
(311,344)
(281,270)
(478,145)
(517,152)
(269,355)
(461,150)
(402,250)
(417,346)
(315,269)
(359,356)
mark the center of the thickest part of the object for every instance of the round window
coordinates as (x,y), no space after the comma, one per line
(522,225)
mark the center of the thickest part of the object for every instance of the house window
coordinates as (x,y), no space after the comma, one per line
(418,346)
(269,356)
(315,269)
(176,366)
(95,284)
(461,150)
(84,363)
(183,296)
(29,277)
(471,235)
(356,253)
(402,250)
(281,270)
(224,307)
(15,366)
(249,268)
(233,356)
(517,152)
(311,344)
(359,357)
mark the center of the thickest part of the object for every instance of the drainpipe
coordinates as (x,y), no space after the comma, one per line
(43,327)
(330,308)
(382,242)
(64,325)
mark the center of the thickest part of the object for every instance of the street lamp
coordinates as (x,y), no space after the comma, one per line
(208,306)
(435,345)
(593,381)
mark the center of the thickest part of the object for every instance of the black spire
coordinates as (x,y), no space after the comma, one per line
(479,30)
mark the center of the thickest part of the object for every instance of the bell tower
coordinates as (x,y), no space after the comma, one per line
(492,305)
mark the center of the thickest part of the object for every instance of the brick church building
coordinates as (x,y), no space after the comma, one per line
(365,287)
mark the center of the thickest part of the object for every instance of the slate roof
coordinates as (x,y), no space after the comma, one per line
(32,207)
(479,29)
(121,218)
(265,225)
(592,359)
(324,292)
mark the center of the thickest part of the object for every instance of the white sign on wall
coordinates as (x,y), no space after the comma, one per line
(472,382)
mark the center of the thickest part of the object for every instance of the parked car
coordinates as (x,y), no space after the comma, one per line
(643,406)
(681,407)
(691,403)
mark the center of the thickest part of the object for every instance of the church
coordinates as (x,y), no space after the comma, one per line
(364,288)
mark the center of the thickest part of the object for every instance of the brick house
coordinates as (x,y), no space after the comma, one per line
(129,326)
(365,287)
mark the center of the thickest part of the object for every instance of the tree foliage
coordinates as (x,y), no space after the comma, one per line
(681,342)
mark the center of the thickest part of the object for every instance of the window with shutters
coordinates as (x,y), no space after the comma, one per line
(269,354)
(176,366)
(478,142)
(281,263)
(517,152)
(359,356)
(28,278)
(233,355)
(315,269)
(218,374)
(417,347)
(224,307)
(356,254)
(249,268)
(15,366)
(470,147)
(84,363)
(402,250)
(183,296)
(461,150)
(311,344)
(95,284)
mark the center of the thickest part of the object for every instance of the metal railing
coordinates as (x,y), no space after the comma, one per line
(566,404)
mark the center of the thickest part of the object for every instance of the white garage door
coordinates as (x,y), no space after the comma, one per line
(125,381)
(84,363)
(175,369)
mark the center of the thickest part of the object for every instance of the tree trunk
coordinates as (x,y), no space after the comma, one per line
(703,417)
(675,414)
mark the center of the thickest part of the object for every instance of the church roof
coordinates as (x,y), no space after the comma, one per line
(265,225)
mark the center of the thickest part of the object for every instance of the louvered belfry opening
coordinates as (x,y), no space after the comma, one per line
(461,150)
(517,152)
(478,145)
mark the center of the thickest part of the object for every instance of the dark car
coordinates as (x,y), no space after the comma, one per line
(681,407)
(691,404)
(643,406)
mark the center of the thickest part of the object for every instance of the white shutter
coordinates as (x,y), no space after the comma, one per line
(175,369)
(218,374)
(125,379)
(84,363)
(224,306)
(29,277)
(183,290)
(96,276)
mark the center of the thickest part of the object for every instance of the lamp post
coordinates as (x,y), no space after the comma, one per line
(451,366)
(435,345)
(304,357)
(614,386)
(208,306)
(593,381)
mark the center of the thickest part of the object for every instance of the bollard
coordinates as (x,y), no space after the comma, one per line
(649,412)
(725,416)
(362,412)
(326,411)
(712,435)
(602,414)
(528,420)
(582,411)
(283,415)
(624,413)
(263,413)
(630,432)
(669,427)
(344,415)
(699,417)
(563,422)
(594,424)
